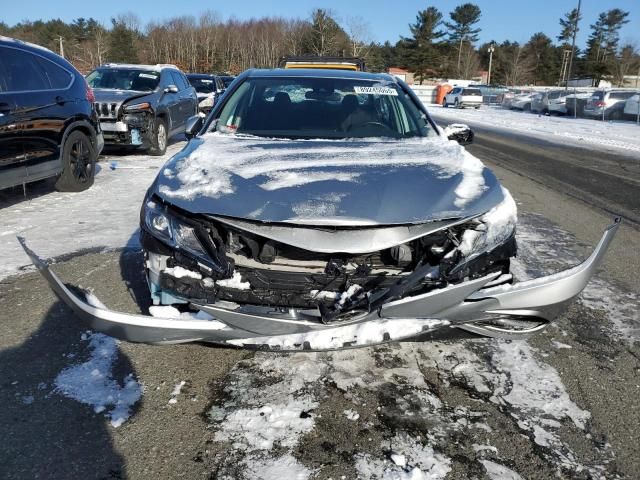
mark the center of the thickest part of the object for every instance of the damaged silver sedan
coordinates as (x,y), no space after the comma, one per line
(323,210)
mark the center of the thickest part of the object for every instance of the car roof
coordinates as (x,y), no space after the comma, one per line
(38,49)
(134,66)
(320,73)
(201,75)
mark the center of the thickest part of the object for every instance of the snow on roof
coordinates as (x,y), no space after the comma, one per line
(158,66)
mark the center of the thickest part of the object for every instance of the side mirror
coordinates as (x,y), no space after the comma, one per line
(171,89)
(194,124)
(459,132)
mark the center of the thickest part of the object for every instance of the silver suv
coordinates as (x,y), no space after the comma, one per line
(607,104)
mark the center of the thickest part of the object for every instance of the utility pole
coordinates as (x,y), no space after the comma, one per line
(491,50)
(61,46)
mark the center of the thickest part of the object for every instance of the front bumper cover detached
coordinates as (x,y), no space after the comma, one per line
(466,306)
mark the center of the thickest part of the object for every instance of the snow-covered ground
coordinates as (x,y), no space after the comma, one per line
(54,223)
(613,136)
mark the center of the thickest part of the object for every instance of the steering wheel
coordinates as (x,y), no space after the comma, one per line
(364,125)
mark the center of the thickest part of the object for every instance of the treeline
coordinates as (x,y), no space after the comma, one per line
(439,46)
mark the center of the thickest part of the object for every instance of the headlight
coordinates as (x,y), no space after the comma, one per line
(137,106)
(207,102)
(171,230)
(492,229)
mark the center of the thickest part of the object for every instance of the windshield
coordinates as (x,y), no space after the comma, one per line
(308,107)
(124,79)
(202,84)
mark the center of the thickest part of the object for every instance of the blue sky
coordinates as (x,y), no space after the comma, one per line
(501,20)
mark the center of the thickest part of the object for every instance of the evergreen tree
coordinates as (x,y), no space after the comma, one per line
(544,59)
(325,37)
(121,47)
(602,44)
(569,25)
(420,53)
(464,17)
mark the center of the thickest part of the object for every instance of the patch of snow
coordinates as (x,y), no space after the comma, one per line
(560,344)
(370,332)
(285,467)
(295,178)
(605,136)
(181,272)
(234,282)
(495,471)
(398,459)
(176,391)
(351,414)
(482,448)
(167,311)
(92,382)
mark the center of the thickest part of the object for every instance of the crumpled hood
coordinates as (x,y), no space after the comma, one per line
(110,95)
(328,182)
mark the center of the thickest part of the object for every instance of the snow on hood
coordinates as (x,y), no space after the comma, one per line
(367,181)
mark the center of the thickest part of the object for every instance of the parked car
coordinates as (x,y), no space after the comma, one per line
(522,101)
(227,79)
(506,98)
(491,93)
(551,101)
(575,103)
(323,209)
(142,105)
(607,104)
(208,89)
(632,106)
(461,97)
(48,127)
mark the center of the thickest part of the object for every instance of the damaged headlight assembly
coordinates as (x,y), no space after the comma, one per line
(170,230)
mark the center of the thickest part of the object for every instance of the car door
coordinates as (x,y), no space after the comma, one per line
(170,99)
(11,149)
(188,97)
(40,91)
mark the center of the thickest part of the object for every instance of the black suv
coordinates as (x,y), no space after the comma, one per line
(142,105)
(48,126)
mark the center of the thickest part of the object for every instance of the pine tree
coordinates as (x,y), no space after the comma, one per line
(544,58)
(122,44)
(464,17)
(602,44)
(569,25)
(420,53)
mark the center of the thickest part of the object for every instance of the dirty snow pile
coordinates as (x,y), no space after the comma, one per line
(55,223)
(92,381)
(209,171)
(613,136)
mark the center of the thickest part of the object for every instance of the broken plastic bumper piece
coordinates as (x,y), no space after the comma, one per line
(508,311)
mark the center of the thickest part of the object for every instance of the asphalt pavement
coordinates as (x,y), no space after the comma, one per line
(563,404)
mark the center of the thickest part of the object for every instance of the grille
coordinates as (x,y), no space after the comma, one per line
(106,110)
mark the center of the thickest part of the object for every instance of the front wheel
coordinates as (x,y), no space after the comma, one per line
(445,104)
(78,163)
(160,138)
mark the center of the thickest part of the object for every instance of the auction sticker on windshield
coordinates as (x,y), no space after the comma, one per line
(376,90)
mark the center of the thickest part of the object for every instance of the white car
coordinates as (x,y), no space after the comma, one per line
(461,97)
(522,102)
(632,106)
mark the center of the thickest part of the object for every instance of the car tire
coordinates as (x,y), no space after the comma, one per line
(160,138)
(526,108)
(444,104)
(456,105)
(615,115)
(478,107)
(78,163)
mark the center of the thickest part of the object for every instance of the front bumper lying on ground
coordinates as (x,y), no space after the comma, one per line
(492,311)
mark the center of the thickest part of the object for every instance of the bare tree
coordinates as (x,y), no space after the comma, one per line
(359,34)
